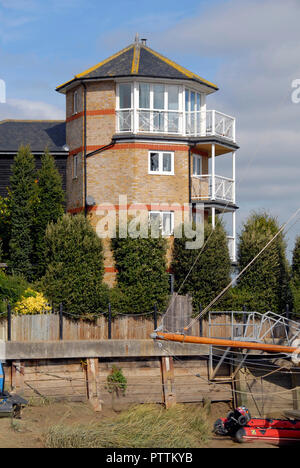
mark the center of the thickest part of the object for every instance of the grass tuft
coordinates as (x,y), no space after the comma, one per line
(144,426)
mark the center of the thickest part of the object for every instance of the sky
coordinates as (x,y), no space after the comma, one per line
(249,48)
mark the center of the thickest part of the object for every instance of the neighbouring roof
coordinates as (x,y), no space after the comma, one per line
(38,134)
(138,60)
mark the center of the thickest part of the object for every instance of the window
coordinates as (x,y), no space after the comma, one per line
(75,102)
(161,163)
(193,112)
(197,165)
(164,220)
(75,166)
(125,96)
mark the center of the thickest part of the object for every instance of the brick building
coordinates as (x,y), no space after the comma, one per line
(137,126)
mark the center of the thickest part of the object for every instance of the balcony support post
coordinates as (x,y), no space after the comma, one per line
(213,171)
(213,217)
(234,176)
(234,235)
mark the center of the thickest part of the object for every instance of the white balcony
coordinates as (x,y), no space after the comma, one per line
(207,187)
(195,124)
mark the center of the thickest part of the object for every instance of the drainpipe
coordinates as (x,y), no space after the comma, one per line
(84,154)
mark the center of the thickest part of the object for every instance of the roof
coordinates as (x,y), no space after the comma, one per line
(137,60)
(38,134)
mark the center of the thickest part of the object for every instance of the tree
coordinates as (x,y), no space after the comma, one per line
(142,278)
(203,273)
(266,281)
(74,272)
(49,208)
(295,282)
(5,225)
(23,199)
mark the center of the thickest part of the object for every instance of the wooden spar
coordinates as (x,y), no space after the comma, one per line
(269,348)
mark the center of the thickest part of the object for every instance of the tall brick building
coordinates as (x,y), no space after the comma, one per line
(137,127)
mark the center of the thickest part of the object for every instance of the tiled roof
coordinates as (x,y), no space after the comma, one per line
(38,134)
(138,60)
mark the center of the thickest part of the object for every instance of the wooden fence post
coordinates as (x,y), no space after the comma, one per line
(61,322)
(93,387)
(168,382)
(17,376)
(8,322)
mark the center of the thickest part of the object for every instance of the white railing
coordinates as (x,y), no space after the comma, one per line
(196,124)
(207,187)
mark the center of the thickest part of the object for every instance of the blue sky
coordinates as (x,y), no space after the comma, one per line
(250,48)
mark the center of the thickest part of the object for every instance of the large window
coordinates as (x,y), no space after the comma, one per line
(163,221)
(144,107)
(197,165)
(161,163)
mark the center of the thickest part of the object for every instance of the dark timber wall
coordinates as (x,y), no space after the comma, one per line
(6,162)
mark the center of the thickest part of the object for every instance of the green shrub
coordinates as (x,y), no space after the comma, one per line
(203,276)
(12,288)
(295,282)
(142,279)
(266,282)
(74,273)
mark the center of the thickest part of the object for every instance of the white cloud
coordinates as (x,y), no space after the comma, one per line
(30,110)
(257,44)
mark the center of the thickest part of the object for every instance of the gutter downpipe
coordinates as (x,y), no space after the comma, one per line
(84,154)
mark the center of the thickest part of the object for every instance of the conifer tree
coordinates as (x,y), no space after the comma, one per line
(295,283)
(49,208)
(142,278)
(266,282)
(204,272)
(23,200)
(74,272)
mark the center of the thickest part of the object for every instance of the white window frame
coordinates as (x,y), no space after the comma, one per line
(162,213)
(75,103)
(75,161)
(160,163)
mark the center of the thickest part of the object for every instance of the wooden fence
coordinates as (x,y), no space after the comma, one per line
(47,328)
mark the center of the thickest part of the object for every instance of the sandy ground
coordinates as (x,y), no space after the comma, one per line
(28,432)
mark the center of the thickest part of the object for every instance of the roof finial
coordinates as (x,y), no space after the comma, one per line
(137,38)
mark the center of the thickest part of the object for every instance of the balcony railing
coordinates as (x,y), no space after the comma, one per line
(196,124)
(207,187)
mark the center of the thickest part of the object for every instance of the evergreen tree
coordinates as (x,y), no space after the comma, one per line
(211,267)
(142,279)
(49,208)
(295,283)
(265,283)
(23,200)
(74,272)
(5,225)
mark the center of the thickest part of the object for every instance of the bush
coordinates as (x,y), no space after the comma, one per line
(211,270)
(267,280)
(295,282)
(142,279)
(12,288)
(32,303)
(74,273)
